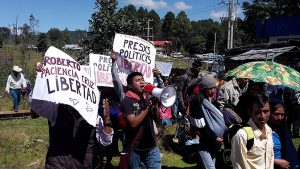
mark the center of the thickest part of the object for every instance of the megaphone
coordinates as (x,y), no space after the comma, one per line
(167,95)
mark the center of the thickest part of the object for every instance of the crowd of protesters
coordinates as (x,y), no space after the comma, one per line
(202,96)
(211,103)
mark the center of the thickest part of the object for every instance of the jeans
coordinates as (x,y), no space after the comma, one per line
(145,160)
(207,155)
(16,95)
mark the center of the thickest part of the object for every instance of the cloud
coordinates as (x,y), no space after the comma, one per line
(224,13)
(152,4)
(218,14)
(182,6)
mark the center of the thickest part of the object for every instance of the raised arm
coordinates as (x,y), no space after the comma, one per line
(115,77)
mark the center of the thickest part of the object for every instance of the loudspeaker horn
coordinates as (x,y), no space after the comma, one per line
(167,95)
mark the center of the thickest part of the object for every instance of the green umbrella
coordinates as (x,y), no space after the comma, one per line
(269,72)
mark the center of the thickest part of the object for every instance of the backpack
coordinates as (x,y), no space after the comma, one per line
(227,136)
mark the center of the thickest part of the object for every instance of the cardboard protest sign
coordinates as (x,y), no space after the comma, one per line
(101,65)
(135,55)
(89,71)
(63,80)
(164,68)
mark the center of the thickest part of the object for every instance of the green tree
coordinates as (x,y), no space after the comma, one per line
(202,35)
(25,34)
(78,35)
(168,26)
(56,37)
(33,23)
(142,16)
(66,36)
(103,25)
(128,21)
(4,34)
(182,28)
(156,24)
(196,45)
(257,11)
(42,42)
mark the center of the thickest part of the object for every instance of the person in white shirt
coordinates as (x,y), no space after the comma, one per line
(14,86)
(261,154)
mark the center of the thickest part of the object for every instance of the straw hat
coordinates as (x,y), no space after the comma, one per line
(17,69)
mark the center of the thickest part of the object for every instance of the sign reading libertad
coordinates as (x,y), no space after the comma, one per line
(63,80)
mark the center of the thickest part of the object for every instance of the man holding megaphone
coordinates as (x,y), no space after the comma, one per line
(139,114)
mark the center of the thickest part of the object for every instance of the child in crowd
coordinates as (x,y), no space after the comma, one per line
(165,115)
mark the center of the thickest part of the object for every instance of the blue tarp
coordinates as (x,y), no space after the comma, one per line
(284,26)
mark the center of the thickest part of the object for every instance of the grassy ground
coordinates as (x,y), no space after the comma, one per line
(23,144)
(6,103)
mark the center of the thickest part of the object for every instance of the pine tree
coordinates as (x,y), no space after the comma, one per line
(102,28)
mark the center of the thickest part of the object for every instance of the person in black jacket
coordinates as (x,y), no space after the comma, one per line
(187,84)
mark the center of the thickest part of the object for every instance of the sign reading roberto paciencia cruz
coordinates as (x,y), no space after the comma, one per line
(63,80)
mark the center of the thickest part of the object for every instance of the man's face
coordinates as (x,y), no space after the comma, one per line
(138,84)
(16,73)
(176,79)
(196,69)
(209,92)
(155,72)
(278,115)
(260,114)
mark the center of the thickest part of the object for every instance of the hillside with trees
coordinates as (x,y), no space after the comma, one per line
(189,37)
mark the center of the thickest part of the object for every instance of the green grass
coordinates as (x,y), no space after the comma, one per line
(23,144)
(6,103)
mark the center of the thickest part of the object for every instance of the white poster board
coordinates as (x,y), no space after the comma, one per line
(101,66)
(164,67)
(63,80)
(135,55)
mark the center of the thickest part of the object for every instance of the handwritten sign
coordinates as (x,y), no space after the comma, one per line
(101,66)
(135,55)
(63,80)
(164,68)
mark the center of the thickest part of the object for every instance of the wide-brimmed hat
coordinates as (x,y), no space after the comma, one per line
(17,69)
(206,82)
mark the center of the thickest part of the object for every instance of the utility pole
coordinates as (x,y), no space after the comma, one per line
(149,37)
(215,43)
(231,20)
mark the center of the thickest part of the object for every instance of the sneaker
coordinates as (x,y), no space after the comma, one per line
(191,142)
(16,110)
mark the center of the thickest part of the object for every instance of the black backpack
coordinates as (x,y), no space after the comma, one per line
(227,136)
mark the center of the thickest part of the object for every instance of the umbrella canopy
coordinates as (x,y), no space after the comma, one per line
(269,72)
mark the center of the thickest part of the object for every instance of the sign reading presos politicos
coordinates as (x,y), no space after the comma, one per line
(101,66)
(64,80)
(135,55)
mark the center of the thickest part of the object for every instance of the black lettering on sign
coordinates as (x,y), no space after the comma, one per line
(73,85)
